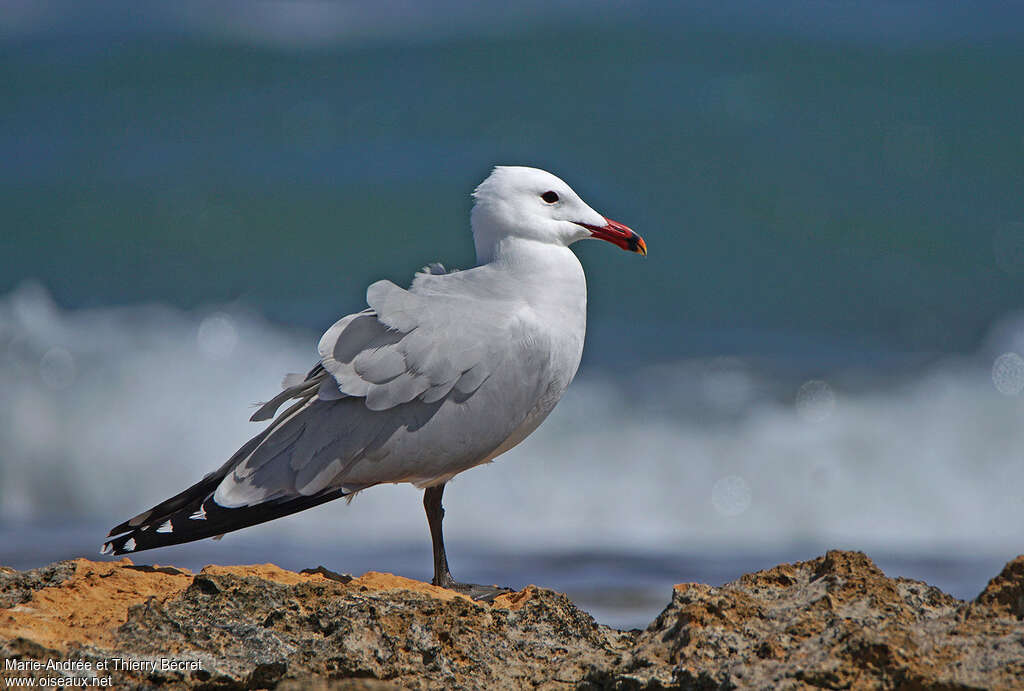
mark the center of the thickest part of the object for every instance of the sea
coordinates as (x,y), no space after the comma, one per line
(824,348)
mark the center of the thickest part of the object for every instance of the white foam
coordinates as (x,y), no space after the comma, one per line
(686,455)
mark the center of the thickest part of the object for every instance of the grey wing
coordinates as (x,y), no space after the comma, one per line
(405,347)
(392,382)
(411,346)
(415,389)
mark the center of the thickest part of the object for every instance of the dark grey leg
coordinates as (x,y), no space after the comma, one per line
(442,575)
(435,515)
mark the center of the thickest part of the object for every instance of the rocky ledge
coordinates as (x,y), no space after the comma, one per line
(833,622)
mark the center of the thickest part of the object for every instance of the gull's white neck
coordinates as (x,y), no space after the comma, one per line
(550,279)
(552,270)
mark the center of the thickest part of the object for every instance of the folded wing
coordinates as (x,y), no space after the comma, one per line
(407,347)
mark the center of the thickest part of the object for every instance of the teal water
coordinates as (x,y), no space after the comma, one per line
(830,176)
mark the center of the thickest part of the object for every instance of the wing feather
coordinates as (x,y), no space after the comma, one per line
(409,346)
(406,347)
(379,365)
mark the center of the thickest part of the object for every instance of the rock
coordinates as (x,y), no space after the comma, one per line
(832,622)
(1005,592)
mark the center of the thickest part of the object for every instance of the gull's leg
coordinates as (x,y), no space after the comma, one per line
(442,576)
(435,514)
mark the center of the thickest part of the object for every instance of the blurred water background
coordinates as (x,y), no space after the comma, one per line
(823,349)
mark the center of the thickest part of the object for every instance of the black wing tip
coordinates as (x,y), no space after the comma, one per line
(203,520)
(128,526)
(149,536)
(125,544)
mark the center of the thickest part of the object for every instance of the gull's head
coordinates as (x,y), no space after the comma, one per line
(533,204)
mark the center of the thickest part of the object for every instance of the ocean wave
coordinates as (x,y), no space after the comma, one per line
(106,411)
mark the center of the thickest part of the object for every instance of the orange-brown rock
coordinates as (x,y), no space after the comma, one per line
(832,622)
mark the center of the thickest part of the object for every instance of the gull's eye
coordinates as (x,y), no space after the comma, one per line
(550,197)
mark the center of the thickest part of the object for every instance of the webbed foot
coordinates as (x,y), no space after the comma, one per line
(480,593)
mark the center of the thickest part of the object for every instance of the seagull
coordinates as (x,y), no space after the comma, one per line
(425,383)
